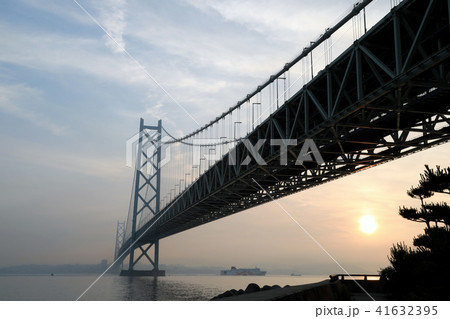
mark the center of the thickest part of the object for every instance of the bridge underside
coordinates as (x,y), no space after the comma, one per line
(387,96)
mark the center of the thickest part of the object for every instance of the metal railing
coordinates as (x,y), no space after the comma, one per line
(365,277)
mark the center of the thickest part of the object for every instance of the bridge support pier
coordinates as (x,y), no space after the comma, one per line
(156,272)
(147,181)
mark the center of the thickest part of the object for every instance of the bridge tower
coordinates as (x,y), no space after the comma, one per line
(120,236)
(147,179)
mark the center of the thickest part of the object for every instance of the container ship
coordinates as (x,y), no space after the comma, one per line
(243,272)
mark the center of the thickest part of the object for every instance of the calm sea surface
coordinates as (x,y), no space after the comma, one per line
(116,288)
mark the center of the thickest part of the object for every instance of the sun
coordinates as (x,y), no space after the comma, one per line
(367,224)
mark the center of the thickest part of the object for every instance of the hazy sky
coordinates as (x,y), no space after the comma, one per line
(70,99)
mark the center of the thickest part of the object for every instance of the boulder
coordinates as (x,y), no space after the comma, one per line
(275,287)
(252,288)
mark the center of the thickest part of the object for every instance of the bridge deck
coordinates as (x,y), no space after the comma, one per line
(385,97)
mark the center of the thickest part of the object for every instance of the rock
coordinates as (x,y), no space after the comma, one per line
(216,297)
(275,287)
(227,293)
(252,288)
(241,292)
(266,287)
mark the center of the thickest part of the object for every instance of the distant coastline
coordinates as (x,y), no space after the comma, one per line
(35,269)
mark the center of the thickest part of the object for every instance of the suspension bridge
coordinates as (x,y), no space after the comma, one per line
(384,96)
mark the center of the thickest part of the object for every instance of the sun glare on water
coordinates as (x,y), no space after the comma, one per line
(367,224)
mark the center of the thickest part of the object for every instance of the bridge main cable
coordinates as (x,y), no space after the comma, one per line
(357,8)
(182,141)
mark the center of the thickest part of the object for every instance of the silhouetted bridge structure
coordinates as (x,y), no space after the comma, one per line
(384,97)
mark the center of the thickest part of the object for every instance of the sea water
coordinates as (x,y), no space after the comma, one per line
(116,288)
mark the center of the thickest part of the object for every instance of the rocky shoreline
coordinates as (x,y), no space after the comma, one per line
(321,291)
(251,288)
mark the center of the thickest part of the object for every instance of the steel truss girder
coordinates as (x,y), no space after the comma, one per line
(385,97)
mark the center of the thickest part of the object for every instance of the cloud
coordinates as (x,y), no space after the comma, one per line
(52,52)
(112,18)
(208,48)
(287,21)
(75,56)
(198,65)
(62,9)
(58,158)
(21,101)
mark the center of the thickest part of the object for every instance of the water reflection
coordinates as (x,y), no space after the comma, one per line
(137,288)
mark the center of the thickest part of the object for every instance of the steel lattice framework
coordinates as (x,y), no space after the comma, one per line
(147,178)
(120,236)
(385,97)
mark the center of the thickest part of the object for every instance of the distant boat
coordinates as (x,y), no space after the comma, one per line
(293,274)
(243,272)
(51,274)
